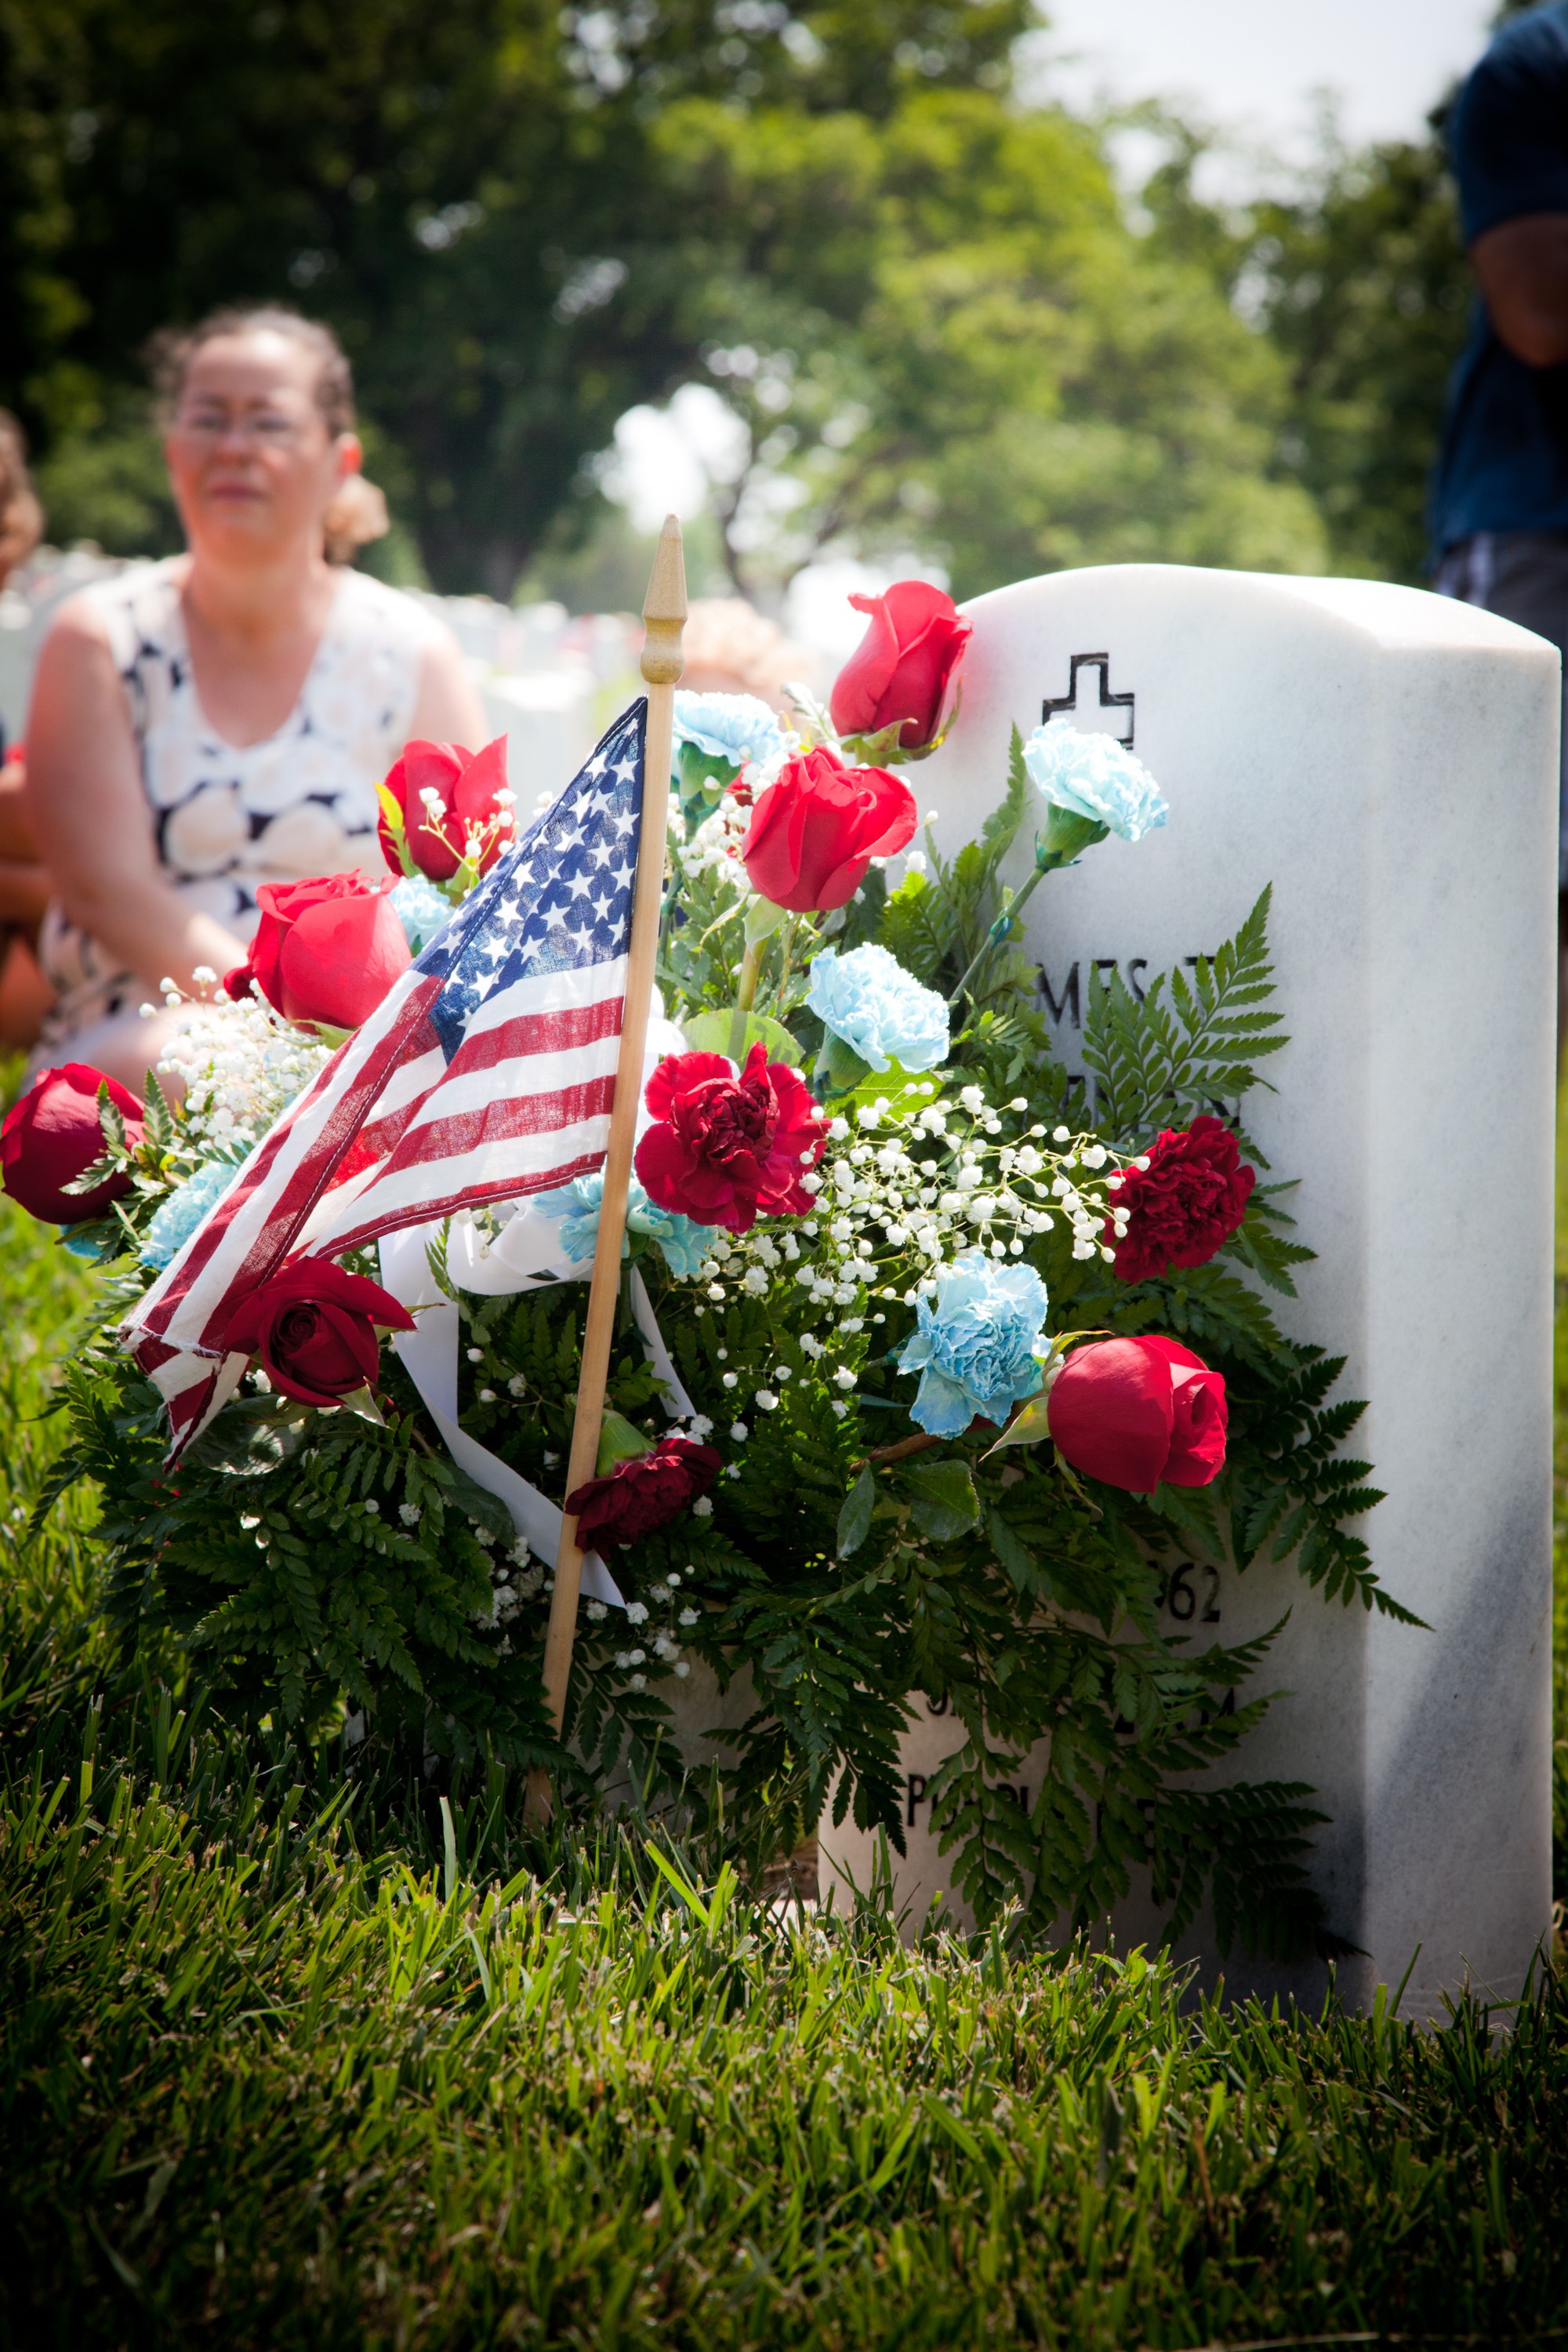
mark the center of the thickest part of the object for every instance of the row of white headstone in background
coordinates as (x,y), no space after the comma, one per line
(551,682)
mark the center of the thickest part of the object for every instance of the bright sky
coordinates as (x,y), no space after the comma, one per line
(1253,65)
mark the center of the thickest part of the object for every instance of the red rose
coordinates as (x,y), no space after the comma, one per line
(467,785)
(327,950)
(724,1149)
(817,827)
(638,1496)
(903,666)
(313,1327)
(1190,1198)
(52,1136)
(1134,1412)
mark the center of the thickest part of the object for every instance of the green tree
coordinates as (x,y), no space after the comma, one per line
(1362,284)
(472,194)
(940,327)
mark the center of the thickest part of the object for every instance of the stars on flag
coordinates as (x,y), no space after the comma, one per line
(558,902)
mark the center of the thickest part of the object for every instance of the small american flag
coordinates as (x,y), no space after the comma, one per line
(486,1073)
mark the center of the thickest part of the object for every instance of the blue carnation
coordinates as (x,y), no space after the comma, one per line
(684,1244)
(1096,777)
(421,909)
(881,1012)
(734,726)
(176,1218)
(974,1349)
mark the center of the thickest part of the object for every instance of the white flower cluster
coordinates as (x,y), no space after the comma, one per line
(515,1579)
(903,1189)
(925,1178)
(659,1643)
(714,847)
(242,1065)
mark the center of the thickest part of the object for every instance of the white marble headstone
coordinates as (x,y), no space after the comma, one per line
(1387,759)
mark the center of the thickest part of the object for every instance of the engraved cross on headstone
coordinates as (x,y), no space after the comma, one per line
(1111,714)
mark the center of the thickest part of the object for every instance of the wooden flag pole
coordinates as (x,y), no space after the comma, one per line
(664,615)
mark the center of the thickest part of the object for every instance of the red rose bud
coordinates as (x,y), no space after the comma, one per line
(725,1150)
(1191,1197)
(467,788)
(1137,1412)
(817,827)
(52,1135)
(313,1327)
(640,1496)
(326,951)
(903,666)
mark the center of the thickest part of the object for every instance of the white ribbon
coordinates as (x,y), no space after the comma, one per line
(524,1255)
(429,1354)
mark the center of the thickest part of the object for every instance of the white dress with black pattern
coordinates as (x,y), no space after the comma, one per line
(230,818)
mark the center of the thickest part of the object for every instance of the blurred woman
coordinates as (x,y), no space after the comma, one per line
(25,995)
(221,720)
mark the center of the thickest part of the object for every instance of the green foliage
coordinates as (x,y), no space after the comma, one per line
(311,1562)
(108,484)
(298,2056)
(940,320)
(1361,282)
(1156,1065)
(923,299)
(473,195)
(318,1566)
(271,2078)
(936,928)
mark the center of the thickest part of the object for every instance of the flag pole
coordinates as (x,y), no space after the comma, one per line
(664,616)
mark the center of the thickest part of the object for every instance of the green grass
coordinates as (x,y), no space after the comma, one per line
(291,2060)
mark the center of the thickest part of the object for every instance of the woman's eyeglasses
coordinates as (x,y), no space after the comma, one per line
(265,428)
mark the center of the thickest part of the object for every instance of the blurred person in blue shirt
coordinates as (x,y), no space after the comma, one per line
(1499,496)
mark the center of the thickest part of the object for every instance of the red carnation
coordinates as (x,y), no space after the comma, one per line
(638,1496)
(313,1326)
(467,788)
(817,827)
(1189,1199)
(325,950)
(903,665)
(1137,1412)
(52,1135)
(725,1150)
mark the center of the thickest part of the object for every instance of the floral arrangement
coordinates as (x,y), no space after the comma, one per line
(952,1379)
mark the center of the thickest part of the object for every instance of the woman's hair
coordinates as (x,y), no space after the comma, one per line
(21,515)
(171,350)
(357,514)
(728,646)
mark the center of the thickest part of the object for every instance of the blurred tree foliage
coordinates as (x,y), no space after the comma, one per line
(926,302)
(471,193)
(1362,285)
(940,329)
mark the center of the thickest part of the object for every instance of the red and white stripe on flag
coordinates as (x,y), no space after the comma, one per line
(486,1073)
